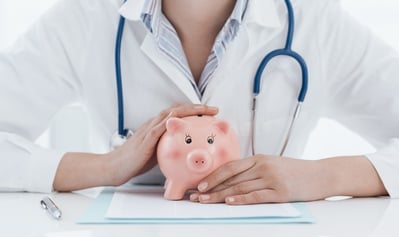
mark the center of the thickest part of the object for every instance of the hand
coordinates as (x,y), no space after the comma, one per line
(137,155)
(261,179)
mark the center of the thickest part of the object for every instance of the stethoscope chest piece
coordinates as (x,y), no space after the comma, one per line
(118,140)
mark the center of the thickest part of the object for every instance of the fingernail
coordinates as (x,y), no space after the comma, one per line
(208,108)
(213,109)
(202,186)
(204,197)
(199,107)
(229,199)
(194,197)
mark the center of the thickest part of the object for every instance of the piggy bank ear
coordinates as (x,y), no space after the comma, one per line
(174,124)
(223,126)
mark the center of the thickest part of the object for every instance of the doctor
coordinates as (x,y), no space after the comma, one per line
(187,57)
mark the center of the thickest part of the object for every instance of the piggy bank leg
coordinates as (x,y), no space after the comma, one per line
(165,184)
(174,191)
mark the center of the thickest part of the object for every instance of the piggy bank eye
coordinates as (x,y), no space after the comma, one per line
(188,139)
(211,139)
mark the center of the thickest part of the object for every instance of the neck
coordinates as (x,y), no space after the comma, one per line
(197,23)
(206,16)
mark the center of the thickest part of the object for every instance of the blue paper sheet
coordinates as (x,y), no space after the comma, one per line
(95,214)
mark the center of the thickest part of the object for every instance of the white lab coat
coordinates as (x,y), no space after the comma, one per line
(69,56)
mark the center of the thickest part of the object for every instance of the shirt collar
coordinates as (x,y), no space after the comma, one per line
(151,14)
(136,10)
(261,12)
(239,10)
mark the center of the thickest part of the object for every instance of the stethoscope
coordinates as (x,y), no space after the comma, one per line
(286,51)
(122,134)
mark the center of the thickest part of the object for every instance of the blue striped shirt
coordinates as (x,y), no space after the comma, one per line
(170,44)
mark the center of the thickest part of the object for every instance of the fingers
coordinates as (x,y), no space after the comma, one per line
(250,192)
(255,197)
(248,181)
(148,135)
(238,189)
(155,127)
(145,139)
(220,177)
(191,109)
(183,111)
(155,130)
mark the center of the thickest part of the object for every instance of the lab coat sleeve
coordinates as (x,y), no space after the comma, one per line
(362,81)
(37,78)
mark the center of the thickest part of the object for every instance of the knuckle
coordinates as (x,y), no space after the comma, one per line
(239,188)
(283,195)
(263,166)
(229,182)
(175,105)
(153,132)
(257,197)
(216,197)
(165,112)
(230,167)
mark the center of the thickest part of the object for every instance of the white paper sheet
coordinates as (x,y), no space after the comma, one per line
(148,203)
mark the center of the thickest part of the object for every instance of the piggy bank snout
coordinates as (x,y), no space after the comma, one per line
(199,161)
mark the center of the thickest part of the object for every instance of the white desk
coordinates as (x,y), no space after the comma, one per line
(22,215)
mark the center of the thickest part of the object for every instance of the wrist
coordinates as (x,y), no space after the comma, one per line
(351,176)
(314,181)
(81,170)
(112,168)
(117,167)
(327,178)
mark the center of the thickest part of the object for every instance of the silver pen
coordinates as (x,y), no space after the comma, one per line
(51,208)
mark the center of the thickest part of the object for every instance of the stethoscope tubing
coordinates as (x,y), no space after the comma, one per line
(291,54)
(286,51)
(123,133)
(118,70)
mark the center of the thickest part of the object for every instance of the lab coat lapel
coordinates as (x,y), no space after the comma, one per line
(150,48)
(264,21)
(131,10)
(262,24)
(263,13)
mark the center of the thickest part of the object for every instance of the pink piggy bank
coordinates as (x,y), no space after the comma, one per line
(191,148)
